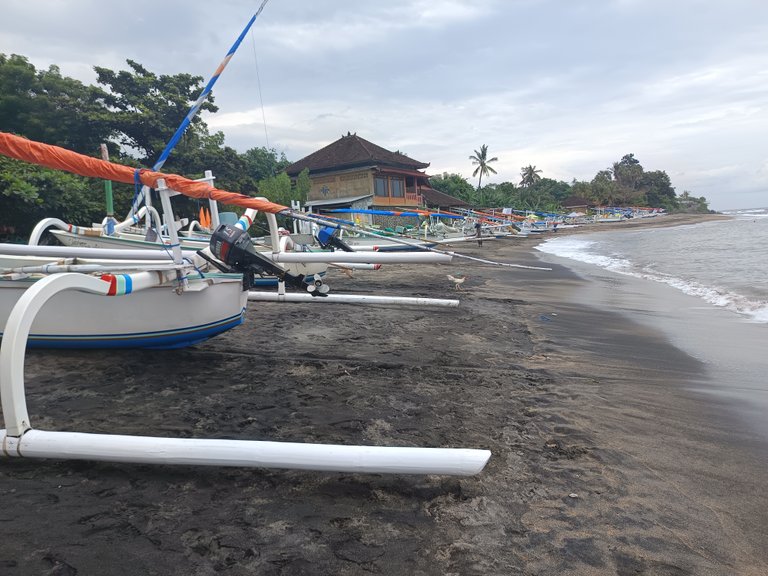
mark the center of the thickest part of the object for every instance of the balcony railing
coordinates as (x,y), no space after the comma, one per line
(410,199)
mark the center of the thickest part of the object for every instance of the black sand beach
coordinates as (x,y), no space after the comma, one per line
(604,461)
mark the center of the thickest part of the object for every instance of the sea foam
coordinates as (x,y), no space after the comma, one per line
(598,253)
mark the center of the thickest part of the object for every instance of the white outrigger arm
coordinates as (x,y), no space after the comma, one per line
(20,439)
(282,296)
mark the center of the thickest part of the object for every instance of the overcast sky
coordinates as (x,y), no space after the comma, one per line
(569,86)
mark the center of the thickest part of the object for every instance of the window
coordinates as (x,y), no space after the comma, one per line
(380,186)
(397,187)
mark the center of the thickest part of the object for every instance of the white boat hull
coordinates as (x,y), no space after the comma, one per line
(157,317)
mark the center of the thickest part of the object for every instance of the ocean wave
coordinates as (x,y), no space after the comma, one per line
(584,250)
(754,310)
(748,213)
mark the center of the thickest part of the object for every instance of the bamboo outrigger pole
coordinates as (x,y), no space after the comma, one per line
(20,439)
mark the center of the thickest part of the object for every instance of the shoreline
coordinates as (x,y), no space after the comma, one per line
(603,462)
(656,221)
(683,447)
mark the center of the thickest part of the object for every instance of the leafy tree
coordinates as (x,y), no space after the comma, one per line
(303,186)
(481,160)
(628,174)
(45,106)
(581,189)
(529,175)
(553,191)
(502,195)
(659,192)
(262,162)
(604,189)
(454,185)
(490,195)
(689,203)
(144,109)
(29,193)
(278,189)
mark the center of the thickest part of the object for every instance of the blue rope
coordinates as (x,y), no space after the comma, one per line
(185,259)
(136,185)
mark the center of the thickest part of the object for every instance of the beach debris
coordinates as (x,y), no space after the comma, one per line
(573,495)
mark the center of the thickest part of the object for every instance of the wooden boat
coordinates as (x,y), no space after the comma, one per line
(183,306)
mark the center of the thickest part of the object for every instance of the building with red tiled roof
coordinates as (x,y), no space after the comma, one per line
(353,172)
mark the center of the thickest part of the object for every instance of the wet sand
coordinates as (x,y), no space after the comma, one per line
(604,461)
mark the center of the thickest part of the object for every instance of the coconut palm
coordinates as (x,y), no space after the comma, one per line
(480,158)
(530,175)
(482,161)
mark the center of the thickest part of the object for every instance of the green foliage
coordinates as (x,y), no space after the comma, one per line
(29,193)
(604,188)
(262,163)
(692,204)
(529,176)
(45,106)
(454,185)
(144,110)
(658,190)
(481,160)
(303,186)
(278,189)
(499,195)
(136,112)
(580,189)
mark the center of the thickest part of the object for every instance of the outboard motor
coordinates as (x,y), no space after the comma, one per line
(233,247)
(328,238)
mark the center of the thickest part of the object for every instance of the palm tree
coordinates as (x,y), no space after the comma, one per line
(529,175)
(482,161)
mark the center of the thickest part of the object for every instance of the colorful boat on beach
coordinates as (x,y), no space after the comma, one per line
(172,313)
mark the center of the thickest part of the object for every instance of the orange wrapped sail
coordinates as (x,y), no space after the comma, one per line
(68,161)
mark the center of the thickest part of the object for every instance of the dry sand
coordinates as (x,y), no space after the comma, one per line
(603,462)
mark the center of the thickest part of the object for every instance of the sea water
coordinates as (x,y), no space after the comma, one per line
(723,262)
(703,286)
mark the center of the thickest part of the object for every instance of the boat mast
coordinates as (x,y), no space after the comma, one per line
(195,108)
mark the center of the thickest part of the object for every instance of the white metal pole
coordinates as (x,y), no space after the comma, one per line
(19,439)
(247,453)
(84,252)
(170,221)
(356,265)
(369,257)
(258,296)
(295,205)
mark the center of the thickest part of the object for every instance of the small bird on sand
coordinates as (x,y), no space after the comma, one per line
(457,281)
